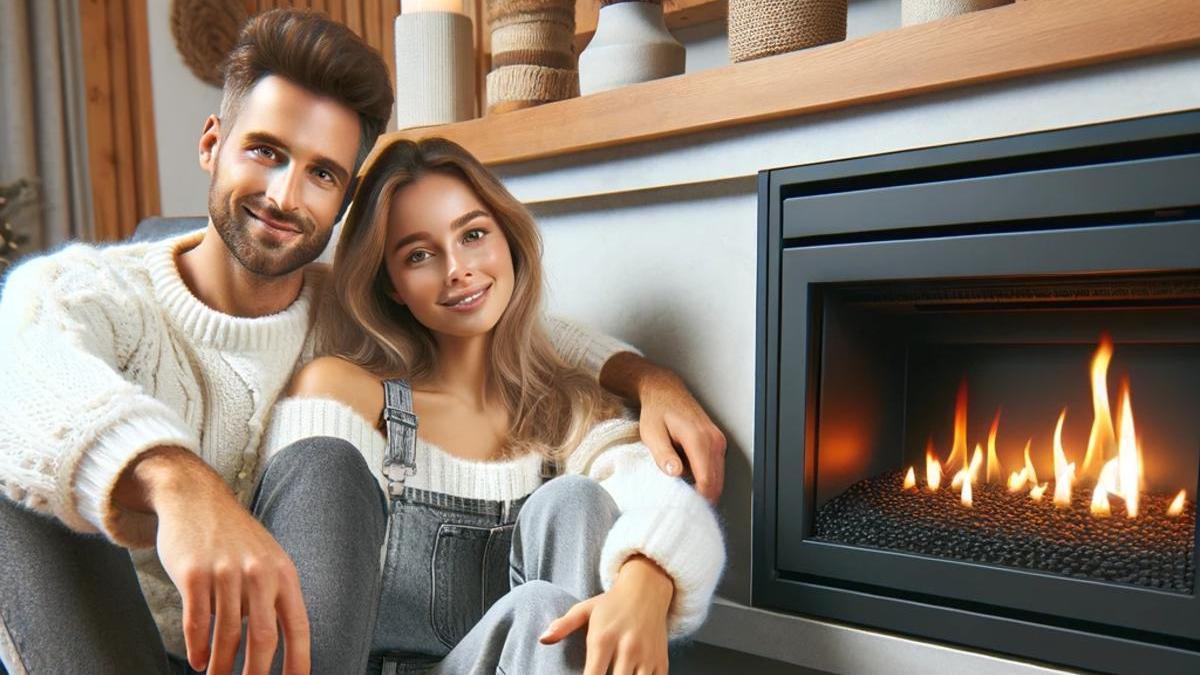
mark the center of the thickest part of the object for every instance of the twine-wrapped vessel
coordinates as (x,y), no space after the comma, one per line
(759,28)
(533,53)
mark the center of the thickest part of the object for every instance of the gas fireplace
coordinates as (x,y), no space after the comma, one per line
(979,394)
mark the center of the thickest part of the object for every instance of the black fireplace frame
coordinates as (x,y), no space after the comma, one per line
(1131,190)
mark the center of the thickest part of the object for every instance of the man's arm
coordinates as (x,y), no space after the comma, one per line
(81,442)
(670,416)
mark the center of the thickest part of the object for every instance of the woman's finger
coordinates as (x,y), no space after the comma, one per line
(575,618)
(658,439)
(227,632)
(624,661)
(599,654)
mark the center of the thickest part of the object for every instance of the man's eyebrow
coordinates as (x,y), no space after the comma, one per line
(455,224)
(340,172)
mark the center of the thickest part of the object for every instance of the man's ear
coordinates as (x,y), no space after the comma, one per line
(210,143)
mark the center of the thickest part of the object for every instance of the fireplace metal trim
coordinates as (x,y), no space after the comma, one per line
(1113,647)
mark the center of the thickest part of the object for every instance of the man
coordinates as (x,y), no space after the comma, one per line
(137,380)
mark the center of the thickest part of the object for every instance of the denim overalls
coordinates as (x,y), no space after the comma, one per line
(447,557)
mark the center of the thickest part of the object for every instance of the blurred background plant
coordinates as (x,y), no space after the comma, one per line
(13,198)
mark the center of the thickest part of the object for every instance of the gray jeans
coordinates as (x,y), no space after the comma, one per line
(467,590)
(70,602)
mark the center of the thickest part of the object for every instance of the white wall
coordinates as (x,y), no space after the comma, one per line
(181,104)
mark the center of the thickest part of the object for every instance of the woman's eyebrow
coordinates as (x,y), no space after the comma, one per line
(455,224)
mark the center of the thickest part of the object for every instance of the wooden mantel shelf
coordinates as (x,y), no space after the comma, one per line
(1025,38)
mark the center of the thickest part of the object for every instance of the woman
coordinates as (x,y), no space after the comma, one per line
(435,316)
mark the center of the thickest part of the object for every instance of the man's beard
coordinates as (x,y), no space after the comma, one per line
(263,258)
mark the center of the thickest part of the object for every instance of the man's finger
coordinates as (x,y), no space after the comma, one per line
(262,634)
(658,439)
(227,633)
(196,593)
(575,618)
(293,618)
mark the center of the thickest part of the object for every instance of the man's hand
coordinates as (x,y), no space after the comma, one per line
(670,417)
(626,626)
(224,563)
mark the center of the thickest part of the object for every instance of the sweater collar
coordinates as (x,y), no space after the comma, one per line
(207,326)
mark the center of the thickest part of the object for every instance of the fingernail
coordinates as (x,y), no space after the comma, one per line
(544,636)
(671,467)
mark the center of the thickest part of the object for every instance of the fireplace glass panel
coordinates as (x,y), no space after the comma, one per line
(915,375)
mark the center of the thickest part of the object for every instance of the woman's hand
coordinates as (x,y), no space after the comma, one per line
(627,625)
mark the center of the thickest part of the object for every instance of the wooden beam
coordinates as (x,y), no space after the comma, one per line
(1016,40)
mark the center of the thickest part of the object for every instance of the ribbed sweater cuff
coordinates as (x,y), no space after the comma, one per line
(102,464)
(584,347)
(681,535)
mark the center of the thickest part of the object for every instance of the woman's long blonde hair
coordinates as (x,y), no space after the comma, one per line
(550,404)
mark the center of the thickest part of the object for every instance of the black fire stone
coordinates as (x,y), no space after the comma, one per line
(1153,550)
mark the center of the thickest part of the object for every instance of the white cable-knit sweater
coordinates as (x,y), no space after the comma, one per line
(106,353)
(661,517)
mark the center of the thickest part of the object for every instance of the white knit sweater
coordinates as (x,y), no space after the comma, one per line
(106,353)
(661,517)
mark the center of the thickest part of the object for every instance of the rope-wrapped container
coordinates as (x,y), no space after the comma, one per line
(759,28)
(204,32)
(533,53)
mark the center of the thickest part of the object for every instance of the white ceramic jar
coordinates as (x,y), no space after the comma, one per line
(631,44)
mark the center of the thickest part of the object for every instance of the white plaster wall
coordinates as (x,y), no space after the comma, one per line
(181,104)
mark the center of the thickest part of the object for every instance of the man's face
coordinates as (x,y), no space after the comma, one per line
(279,175)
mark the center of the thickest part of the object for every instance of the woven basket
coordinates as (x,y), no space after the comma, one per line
(759,28)
(204,32)
(533,53)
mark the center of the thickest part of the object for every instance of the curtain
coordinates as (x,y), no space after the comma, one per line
(43,119)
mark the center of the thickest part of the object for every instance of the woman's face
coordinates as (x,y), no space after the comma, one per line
(447,257)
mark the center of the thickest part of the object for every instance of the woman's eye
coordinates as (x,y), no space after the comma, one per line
(474,235)
(417,256)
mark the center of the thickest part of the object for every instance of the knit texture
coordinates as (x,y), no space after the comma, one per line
(662,517)
(110,354)
(759,28)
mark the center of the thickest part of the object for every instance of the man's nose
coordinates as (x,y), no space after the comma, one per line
(284,188)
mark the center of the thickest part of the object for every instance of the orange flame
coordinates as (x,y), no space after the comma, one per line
(1129,463)
(1017,480)
(1035,493)
(958,453)
(933,469)
(910,479)
(1176,506)
(965,497)
(1030,473)
(1102,443)
(994,472)
(1106,484)
(1064,472)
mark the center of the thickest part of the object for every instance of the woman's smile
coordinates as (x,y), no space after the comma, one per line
(469,300)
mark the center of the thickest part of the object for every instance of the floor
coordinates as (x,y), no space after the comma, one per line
(698,658)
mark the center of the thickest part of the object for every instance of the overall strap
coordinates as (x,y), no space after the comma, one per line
(400,462)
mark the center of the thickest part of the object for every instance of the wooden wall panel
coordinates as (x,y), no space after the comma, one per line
(122,154)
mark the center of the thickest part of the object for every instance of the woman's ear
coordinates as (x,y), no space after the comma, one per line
(396,296)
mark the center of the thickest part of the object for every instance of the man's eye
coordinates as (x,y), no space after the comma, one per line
(324,175)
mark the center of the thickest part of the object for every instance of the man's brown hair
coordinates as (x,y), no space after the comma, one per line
(318,54)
